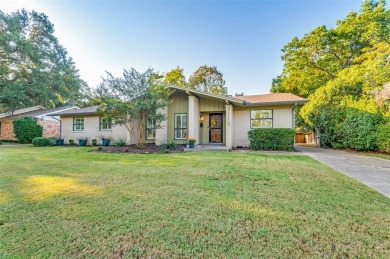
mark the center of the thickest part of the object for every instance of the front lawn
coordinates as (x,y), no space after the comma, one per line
(67,202)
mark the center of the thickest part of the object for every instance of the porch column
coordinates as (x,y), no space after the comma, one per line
(193,118)
(229,125)
(162,132)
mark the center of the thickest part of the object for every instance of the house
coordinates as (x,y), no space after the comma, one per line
(44,117)
(209,118)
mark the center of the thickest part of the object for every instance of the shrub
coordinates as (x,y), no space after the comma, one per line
(170,145)
(94,142)
(359,128)
(272,139)
(383,138)
(41,142)
(121,142)
(71,142)
(26,129)
(53,141)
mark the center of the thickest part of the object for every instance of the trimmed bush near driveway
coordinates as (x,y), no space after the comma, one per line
(272,139)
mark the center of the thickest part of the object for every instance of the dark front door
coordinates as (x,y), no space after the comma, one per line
(216,128)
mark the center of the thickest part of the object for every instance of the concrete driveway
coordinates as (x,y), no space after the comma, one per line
(372,171)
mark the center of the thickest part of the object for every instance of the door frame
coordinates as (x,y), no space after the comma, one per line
(216,113)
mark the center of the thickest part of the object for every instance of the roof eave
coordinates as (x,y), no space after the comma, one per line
(274,103)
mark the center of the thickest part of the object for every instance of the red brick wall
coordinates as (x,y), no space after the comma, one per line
(50,128)
(7,130)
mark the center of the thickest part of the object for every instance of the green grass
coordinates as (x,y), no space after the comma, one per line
(383,156)
(67,202)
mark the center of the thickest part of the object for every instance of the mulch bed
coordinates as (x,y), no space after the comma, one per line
(133,149)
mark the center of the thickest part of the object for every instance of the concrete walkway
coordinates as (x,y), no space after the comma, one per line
(372,171)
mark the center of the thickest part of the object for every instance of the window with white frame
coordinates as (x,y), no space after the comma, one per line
(150,128)
(78,124)
(105,123)
(261,119)
(181,126)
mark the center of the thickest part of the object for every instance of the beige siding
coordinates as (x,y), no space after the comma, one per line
(282,118)
(91,130)
(210,105)
(178,104)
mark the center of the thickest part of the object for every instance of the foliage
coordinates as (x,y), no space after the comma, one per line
(340,68)
(94,142)
(208,79)
(71,142)
(53,141)
(133,98)
(175,77)
(383,138)
(359,130)
(83,138)
(34,69)
(26,129)
(272,139)
(170,145)
(121,142)
(191,140)
(41,142)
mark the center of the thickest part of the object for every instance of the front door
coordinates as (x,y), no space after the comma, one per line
(216,128)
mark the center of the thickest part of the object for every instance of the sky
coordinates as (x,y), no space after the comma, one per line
(243,39)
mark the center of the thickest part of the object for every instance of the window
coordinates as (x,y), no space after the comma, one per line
(104,123)
(181,126)
(150,129)
(78,124)
(261,119)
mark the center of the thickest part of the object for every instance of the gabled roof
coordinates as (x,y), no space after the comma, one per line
(279,98)
(82,111)
(36,112)
(250,100)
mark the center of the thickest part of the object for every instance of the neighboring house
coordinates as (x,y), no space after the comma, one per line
(209,118)
(51,124)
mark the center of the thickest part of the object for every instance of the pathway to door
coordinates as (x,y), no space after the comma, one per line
(372,171)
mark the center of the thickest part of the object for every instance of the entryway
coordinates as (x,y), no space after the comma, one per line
(216,128)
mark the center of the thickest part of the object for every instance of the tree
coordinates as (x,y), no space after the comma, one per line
(34,68)
(208,79)
(132,99)
(175,77)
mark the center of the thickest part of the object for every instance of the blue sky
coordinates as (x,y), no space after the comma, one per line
(242,38)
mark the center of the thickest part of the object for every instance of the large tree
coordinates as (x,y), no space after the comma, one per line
(340,67)
(175,77)
(133,99)
(208,79)
(34,68)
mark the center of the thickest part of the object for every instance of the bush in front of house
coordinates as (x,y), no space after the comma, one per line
(383,138)
(272,139)
(26,129)
(41,142)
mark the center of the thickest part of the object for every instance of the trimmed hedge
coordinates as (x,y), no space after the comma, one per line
(383,138)
(41,142)
(26,129)
(272,139)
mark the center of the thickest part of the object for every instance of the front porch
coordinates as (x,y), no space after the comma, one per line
(208,148)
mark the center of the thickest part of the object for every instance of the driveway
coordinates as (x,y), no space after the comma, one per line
(372,171)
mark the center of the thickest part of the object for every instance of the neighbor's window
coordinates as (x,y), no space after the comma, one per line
(150,128)
(78,124)
(105,123)
(181,126)
(261,119)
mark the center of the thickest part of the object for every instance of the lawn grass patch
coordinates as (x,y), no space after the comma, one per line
(68,202)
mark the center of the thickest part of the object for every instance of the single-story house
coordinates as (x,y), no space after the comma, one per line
(51,124)
(209,118)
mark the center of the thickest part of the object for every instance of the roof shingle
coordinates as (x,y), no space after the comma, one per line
(272,98)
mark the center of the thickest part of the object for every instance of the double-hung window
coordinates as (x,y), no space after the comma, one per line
(261,119)
(150,128)
(181,126)
(105,123)
(78,124)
